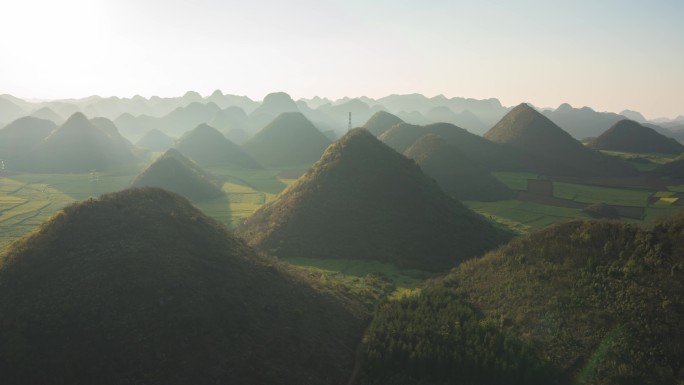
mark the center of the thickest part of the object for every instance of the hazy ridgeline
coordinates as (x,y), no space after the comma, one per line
(439,241)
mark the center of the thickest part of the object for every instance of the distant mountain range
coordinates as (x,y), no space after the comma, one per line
(239,117)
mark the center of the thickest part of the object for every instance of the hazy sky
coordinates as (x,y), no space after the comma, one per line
(607,54)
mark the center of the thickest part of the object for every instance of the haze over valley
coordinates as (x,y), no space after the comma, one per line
(342,193)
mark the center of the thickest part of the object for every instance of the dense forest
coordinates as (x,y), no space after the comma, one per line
(590,302)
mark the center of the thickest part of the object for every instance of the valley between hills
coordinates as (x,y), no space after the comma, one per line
(400,240)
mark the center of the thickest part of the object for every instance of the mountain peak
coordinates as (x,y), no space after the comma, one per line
(289,139)
(381,121)
(276,103)
(123,287)
(77,118)
(548,148)
(364,185)
(564,107)
(207,146)
(278,97)
(174,172)
(192,95)
(630,136)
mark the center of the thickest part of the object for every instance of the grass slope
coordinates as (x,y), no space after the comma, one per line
(141,287)
(362,200)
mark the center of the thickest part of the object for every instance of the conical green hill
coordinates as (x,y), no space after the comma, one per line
(525,128)
(48,114)
(174,172)
(630,136)
(208,147)
(19,138)
(362,200)
(275,104)
(109,128)
(155,140)
(549,149)
(290,139)
(140,287)
(457,174)
(79,145)
(490,156)
(381,121)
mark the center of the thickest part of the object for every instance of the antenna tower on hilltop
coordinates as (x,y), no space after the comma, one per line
(349,127)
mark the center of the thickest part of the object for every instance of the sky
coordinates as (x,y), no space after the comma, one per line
(610,55)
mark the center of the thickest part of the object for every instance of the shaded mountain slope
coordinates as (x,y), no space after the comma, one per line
(141,287)
(380,122)
(231,122)
(673,170)
(582,122)
(155,140)
(48,114)
(290,139)
(79,145)
(597,302)
(362,200)
(176,173)
(19,138)
(456,174)
(207,146)
(275,104)
(490,156)
(630,136)
(183,119)
(550,150)
(109,128)
(591,282)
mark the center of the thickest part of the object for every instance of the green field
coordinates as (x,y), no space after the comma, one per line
(523,217)
(660,211)
(677,188)
(515,180)
(26,200)
(595,194)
